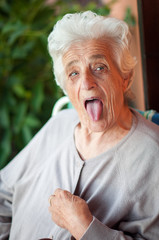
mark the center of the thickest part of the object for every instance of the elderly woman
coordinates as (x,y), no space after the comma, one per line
(99,161)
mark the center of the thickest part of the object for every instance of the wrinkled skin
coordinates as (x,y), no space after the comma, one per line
(90,73)
(70,212)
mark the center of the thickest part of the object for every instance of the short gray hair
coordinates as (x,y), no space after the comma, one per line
(88,25)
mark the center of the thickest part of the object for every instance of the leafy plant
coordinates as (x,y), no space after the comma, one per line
(129,18)
(27,89)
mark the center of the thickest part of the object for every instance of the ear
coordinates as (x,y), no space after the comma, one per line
(125,83)
(126,80)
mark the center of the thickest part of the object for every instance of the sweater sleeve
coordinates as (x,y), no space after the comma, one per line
(5,210)
(27,163)
(10,175)
(99,231)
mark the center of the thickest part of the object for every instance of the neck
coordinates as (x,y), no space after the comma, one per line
(90,144)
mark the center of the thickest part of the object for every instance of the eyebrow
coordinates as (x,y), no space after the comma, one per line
(100,56)
(93,57)
(72,63)
(97,56)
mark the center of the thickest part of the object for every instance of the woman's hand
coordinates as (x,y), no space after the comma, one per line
(70,212)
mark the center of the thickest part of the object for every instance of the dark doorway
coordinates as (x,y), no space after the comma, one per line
(149,35)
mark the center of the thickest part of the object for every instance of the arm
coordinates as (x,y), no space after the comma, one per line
(5,210)
(98,230)
(72,213)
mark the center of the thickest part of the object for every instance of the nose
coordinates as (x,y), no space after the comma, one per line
(88,81)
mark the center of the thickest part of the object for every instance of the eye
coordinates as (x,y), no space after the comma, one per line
(100,68)
(73,74)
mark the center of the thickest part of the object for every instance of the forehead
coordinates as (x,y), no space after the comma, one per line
(87,50)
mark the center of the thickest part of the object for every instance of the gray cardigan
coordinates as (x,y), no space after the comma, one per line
(121,186)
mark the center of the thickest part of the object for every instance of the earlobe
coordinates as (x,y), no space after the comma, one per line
(126,80)
(125,83)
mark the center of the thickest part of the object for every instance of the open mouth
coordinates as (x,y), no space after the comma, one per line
(94,108)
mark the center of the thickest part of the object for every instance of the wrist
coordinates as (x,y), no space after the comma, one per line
(80,227)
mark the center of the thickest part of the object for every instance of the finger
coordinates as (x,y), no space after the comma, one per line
(67,194)
(50,209)
(51,198)
(62,193)
(58,191)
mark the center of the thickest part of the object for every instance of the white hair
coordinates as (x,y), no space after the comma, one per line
(85,26)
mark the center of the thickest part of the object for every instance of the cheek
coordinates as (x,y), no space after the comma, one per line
(73,97)
(113,87)
(113,98)
(72,92)
(108,89)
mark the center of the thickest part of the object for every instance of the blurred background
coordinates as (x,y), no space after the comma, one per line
(27,88)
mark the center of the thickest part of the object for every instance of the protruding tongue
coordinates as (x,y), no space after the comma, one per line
(94,108)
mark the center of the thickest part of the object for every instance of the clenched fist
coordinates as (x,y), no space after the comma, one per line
(70,212)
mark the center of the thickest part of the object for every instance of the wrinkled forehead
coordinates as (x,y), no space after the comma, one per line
(91,50)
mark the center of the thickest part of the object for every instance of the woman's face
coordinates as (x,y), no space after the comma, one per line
(94,84)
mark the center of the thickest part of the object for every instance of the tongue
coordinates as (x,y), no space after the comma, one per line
(94,109)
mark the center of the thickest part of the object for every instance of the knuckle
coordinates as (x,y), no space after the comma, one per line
(57,191)
(68,194)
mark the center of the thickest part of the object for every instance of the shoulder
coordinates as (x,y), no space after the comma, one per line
(56,129)
(142,147)
(41,147)
(140,157)
(142,144)
(65,118)
(146,130)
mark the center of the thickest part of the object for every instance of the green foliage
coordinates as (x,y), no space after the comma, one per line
(129,18)
(27,89)
(27,92)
